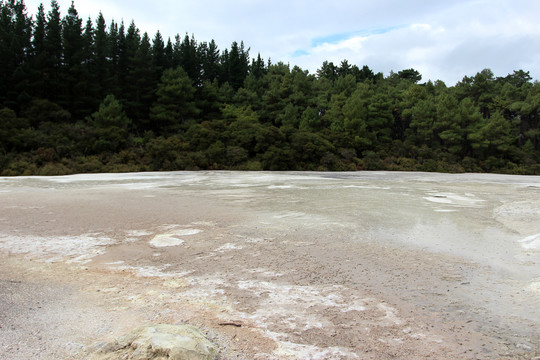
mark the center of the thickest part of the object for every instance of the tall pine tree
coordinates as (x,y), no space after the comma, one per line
(39,55)
(15,41)
(53,53)
(102,47)
(72,80)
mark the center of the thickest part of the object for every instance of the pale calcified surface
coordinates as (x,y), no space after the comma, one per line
(368,265)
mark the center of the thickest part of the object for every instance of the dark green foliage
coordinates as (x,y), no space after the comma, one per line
(410,74)
(235,65)
(209,58)
(10,128)
(98,60)
(40,111)
(53,48)
(159,61)
(175,102)
(76,49)
(188,57)
(138,79)
(83,97)
(15,48)
(110,114)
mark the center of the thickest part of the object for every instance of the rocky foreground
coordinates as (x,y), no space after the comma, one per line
(270,266)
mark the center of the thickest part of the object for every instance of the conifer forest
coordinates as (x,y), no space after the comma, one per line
(80,96)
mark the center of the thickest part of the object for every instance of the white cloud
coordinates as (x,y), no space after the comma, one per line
(425,27)
(353,45)
(449,44)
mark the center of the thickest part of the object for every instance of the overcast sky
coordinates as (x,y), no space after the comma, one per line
(443,40)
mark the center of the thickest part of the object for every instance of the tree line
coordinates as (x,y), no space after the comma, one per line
(85,96)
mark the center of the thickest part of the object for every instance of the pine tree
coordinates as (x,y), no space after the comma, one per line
(258,67)
(127,70)
(379,120)
(38,38)
(102,51)
(224,75)
(110,114)
(128,43)
(189,59)
(328,70)
(15,41)
(39,56)
(114,40)
(111,125)
(175,102)
(141,84)
(209,55)
(169,55)
(499,135)
(236,65)
(53,53)
(365,74)
(278,90)
(72,82)
(88,84)
(344,68)
(176,54)
(158,56)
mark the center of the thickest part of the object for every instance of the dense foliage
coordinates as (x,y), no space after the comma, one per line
(92,97)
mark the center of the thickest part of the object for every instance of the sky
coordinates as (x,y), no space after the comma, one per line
(444,40)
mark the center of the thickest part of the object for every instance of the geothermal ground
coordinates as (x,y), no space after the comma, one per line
(367,265)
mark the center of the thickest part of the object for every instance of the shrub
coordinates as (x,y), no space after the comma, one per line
(51,169)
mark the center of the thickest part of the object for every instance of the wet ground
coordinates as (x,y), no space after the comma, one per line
(367,265)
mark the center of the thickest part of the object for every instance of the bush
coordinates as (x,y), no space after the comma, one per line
(400,164)
(493,164)
(371,161)
(429,165)
(236,155)
(52,169)
(470,165)
(253,165)
(88,164)
(20,167)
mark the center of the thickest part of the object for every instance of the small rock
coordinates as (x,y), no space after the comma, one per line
(174,342)
(524,347)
